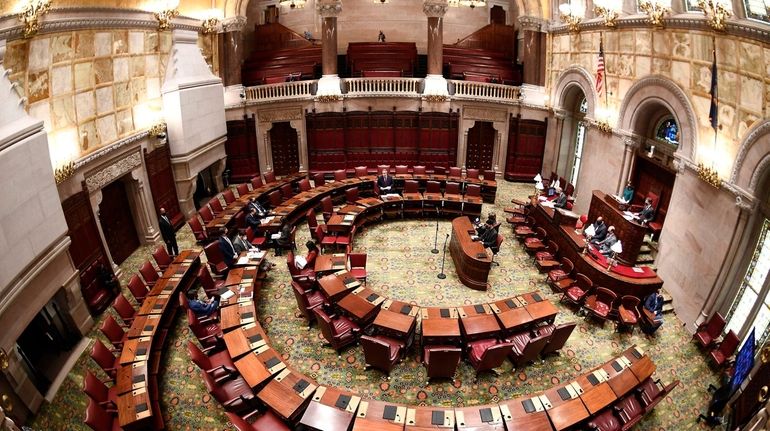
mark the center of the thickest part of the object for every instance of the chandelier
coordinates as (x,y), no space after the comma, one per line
(655,10)
(716,11)
(709,175)
(293,4)
(30,13)
(609,10)
(572,14)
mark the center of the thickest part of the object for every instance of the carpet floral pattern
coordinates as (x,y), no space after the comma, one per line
(401,266)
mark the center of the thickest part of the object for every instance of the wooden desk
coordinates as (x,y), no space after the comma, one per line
(479,418)
(376,415)
(395,325)
(135,410)
(245,339)
(237,316)
(478,327)
(542,311)
(438,313)
(144,326)
(505,305)
(340,223)
(474,310)
(622,381)
(429,418)
(595,396)
(154,305)
(440,331)
(641,364)
(259,366)
(514,319)
(287,393)
(337,285)
(566,409)
(470,257)
(237,276)
(330,262)
(132,377)
(630,233)
(186,257)
(330,410)
(247,258)
(135,350)
(401,307)
(517,418)
(358,309)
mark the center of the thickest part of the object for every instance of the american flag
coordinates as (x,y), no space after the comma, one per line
(600,71)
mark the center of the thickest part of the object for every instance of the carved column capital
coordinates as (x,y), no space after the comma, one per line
(745,203)
(233,23)
(531,23)
(435,8)
(630,143)
(559,114)
(329,8)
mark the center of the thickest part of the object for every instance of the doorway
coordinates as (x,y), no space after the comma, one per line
(284,146)
(481,146)
(497,15)
(117,222)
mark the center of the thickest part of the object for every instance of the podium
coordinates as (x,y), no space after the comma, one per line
(629,232)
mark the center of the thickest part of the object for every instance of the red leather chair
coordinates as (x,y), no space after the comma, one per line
(558,337)
(307,301)
(381,352)
(209,285)
(217,365)
(256,182)
(489,175)
(185,304)
(402,170)
(351,195)
(114,332)
(361,171)
(599,303)
(97,391)
(243,189)
(105,359)
(198,230)
(629,411)
(455,172)
(604,421)
(327,207)
(708,332)
(124,309)
(441,361)
(215,259)
(418,170)
(269,177)
(99,419)
(651,392)
(268,421)
(358,265)
(149,274)
(137,288)
(234,394)
(628,317)
(323,239)
(496,249)
(486,355)
(472,173)
(206,214)
(257,239)
(433,187)
(208,334)
(439,170)
(525,230)
(545,259)
(296,273)
(529,353)
(452,189)
(473,191)
(535,243)
(562,278)
(215,205)
(339,331)
(319,180)
(162,257)
(287,191)
(340,175)
(725,350)
(576,293)
(312,223)
(304,185)
(229,196)
(274,198)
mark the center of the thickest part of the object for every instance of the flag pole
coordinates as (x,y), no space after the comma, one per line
(606,80)
(716,123)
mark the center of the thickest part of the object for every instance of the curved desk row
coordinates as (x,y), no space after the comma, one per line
(136,380)
(472,262)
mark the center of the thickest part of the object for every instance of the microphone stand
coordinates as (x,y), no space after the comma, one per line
(435,239)
(443,258)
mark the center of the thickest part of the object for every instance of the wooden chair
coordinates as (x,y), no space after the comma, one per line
(627,314)
(256,182)
(162,257)
(149,274)
(358,265)
(381,352)
(576,293)
(599,304)
(216,205)
(725,349)
(530,352)
(229,196)
(441,361)
(708,332)
(563,277)
(198,230)
(304,185)
(486,355)
(340,175)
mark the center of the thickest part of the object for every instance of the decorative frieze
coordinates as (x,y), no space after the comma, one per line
(117,169)
(484,114)
(271,116)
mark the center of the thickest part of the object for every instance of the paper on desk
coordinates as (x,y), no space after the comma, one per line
(227,295)
(243,260)
(547,204)
(275,236)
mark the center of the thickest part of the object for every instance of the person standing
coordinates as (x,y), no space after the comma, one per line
(228,250)
(168,233)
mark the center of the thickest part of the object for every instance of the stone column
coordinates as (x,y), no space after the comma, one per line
(628,162)
(532,50)
(230,41)
(435,84)
(329,84)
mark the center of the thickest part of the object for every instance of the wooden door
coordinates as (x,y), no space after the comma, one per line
(497,15)
(241,149)
(526,145)
(284,145)
(162,185)
(650,177)
(117,222)
(481,146)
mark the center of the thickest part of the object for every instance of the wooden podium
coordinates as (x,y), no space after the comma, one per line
(630,233)
(472,262)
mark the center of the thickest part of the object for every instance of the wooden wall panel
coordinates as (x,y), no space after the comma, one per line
(526,145)
(242,150)
(162,185)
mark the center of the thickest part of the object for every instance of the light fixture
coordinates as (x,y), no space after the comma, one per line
(381,1)
(293,4)
(609,10)
(655,10)
(473,3)
(716,11)
(572,14)
(709,175)
(604,119)
(165,11)
(4,363)
(63,172)
(616,249)
(603,126)
(329,98)
(456,3)
(211,19)
(158,129)
(30,13)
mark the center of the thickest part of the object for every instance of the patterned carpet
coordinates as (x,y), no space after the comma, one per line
(401,267)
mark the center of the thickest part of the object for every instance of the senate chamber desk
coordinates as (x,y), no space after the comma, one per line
(471,260)
(630,233)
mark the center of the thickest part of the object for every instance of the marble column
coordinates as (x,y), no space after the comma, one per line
(230,42)
(435,84)
(532,50)
(329,84)
(629,157)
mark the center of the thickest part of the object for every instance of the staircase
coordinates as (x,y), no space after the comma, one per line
(647,255)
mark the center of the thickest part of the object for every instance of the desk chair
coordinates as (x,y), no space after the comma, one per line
(206,214)
(215,205)
(286,191)
(102,356)
(545,259)
(254,237)
(318,179)
(486,355)
(235,395)
(472,173)
(536,242)
(441,361)
(229,196)
(558,337)
(361,171)
(708,332)
(351,195)
(496,249)
(307,301)
(274,199)
(455,172)
(162,257)
(339,331)
(215,259)
(114,333)
(242,189)
(418,170)
(269,177)
(599,304)
(629,410)
(358,265)
(256,182)
(97,391)
(529,352)
(99,419)
(312,223)
(185,304)
(198,230)
(576,293)
(149,274)
(525,230)
(340,175)
(137,288)
(323,239)
(725,349)
(627,314)
(327,207)
(209,334)
(381,352)
(124,309)
(218,365)
(651,392)
(304,185)
(209,285)
(268,421)
(401,170)
(604,421)
(563,277)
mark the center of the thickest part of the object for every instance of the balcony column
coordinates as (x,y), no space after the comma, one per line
(329,84)
(230,41)
(532,49)
(435,84)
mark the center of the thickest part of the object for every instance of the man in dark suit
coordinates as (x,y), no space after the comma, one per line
(254,204)
(385,182)
(228,250)
(647,213)
(253,220)
(600,230)
(168,233)
(561,199)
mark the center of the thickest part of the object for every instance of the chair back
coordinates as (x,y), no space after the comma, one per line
(326,205)
(287,191)
(604,421)
(402,170)
(361,171)
(715,325)
(94,388)
(532,349)
(256,182)
(325,323)
(605,296)
(433,187)
(473,190)
(319,233)
(628,409)
(489,174)
(498,243)
(213,255)
(455,171)
(411,186)
(319,180)
(299,295)
(197,228)
(102,356)
(558,338)
(441,361)
(112,330)
(183,301)
(206,214)
(215,205)
(418,170)
(240,220)
(229,196)
(357,260)
(494,356)
(290,263)
(567,266)
(351,195)
(629,302)
(124,308)
(377,352)
(381,167)
(269,177)
(274,198)
(149,273)
(452,188)
(340,175)
(243,189)
(472,173)
(97,418)
(304,185)
(540,233)
(584,282)
(204,278)
(312,222)
(198,357)
(137,288)
(161,257)
(729,344)
(439,170)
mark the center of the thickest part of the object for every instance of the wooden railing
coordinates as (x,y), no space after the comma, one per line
(383,86)
(282,91)
(484,91)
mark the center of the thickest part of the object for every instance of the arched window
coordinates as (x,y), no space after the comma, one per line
(667,131)
(580,137)
(757,10)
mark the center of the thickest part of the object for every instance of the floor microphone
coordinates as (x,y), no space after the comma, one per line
(441,275)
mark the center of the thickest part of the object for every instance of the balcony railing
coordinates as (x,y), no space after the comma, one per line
(485,91)
(388,87)
(281,91)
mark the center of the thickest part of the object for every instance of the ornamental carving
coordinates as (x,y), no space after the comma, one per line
(112,172)
(274,115)
(531,23)
(485,114)
(236,23)
(435,8)
(329,8)
(748,142)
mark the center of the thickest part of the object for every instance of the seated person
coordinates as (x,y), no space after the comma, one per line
(489,236)
(654,305)
(254,204)
(606,244)
(647,213)
(201,308)
(385,182)
(561,199)
(600,231)
(628,193)
(284,239)
(240,243)
(491,222)
(253,219)
(308,261)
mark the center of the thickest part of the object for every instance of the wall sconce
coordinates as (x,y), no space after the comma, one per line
(609,10)
(211,20)
(572,14)
(63,172)
(4,362)
(717,12)
(655,10)
(709,175)
(165,11)
(30,14)
(158,130)
(473,3)
(604,119)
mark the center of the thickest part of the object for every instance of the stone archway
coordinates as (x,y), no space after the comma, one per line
(571,79)
(753,159)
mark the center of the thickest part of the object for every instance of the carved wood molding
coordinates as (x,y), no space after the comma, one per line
(115,170)
(275,115)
